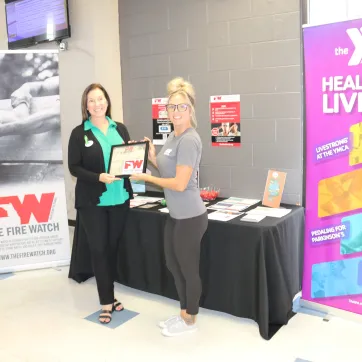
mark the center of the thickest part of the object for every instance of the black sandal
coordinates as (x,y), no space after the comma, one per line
(116,304)
(105,314)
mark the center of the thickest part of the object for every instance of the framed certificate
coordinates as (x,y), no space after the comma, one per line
(128,159)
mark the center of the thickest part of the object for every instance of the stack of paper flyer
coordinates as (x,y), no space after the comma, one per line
(253,218)
(239,200)
(165,210)
(148,206)
(233,204)
(148,199)
(224,206)
(268,211)
(141,200)
(223,215)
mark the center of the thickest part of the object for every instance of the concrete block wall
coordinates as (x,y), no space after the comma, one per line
(246,47)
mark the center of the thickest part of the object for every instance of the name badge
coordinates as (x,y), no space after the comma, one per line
(167,152)
(87,142)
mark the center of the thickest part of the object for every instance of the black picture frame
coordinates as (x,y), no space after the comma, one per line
(128,152)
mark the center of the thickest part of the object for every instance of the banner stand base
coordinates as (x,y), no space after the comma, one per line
(330,311)
(49,265)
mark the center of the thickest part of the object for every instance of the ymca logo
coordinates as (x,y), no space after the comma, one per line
(133,166)
(356,37)
(30,206)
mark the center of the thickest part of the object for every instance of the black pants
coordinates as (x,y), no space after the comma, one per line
(104,226)
(182,252)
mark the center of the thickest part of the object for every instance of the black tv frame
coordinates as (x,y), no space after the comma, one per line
(42,38)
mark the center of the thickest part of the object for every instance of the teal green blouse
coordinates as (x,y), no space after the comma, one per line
(115,193)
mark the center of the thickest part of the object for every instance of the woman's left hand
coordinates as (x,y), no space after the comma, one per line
(140,177)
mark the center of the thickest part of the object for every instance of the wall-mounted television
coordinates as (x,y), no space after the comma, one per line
(30,22)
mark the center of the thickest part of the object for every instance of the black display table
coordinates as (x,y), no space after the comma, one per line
(249,270)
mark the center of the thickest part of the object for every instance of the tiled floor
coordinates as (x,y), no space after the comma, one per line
(43,321)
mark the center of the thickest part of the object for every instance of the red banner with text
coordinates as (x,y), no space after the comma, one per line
(225,120)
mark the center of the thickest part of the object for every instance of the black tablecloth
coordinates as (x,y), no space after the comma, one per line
(249,270)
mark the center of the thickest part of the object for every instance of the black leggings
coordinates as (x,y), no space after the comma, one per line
(103,226)
(182,251)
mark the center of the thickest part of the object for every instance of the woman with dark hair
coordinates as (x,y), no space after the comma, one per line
(101,200)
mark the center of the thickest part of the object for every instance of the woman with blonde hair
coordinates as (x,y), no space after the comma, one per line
(178,163)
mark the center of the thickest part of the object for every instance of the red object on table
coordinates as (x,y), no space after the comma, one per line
(209,193)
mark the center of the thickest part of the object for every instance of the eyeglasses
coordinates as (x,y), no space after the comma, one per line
(180,107)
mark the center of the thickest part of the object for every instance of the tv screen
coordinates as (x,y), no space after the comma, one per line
(30,22)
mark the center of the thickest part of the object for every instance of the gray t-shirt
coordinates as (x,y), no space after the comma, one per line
(183,150)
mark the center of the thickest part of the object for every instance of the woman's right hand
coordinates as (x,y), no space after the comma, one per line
(107,178)
(151,149)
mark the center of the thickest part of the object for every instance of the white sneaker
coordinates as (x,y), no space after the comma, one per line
(167,322)
(178,327)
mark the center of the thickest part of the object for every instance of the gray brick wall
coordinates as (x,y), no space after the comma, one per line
(246,47)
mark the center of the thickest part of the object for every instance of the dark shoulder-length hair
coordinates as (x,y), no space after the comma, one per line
(85,113)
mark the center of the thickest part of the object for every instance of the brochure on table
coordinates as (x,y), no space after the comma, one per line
(230,208)
(253,218)
(223,215)
(268,211)
(235,204)
(142,200)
